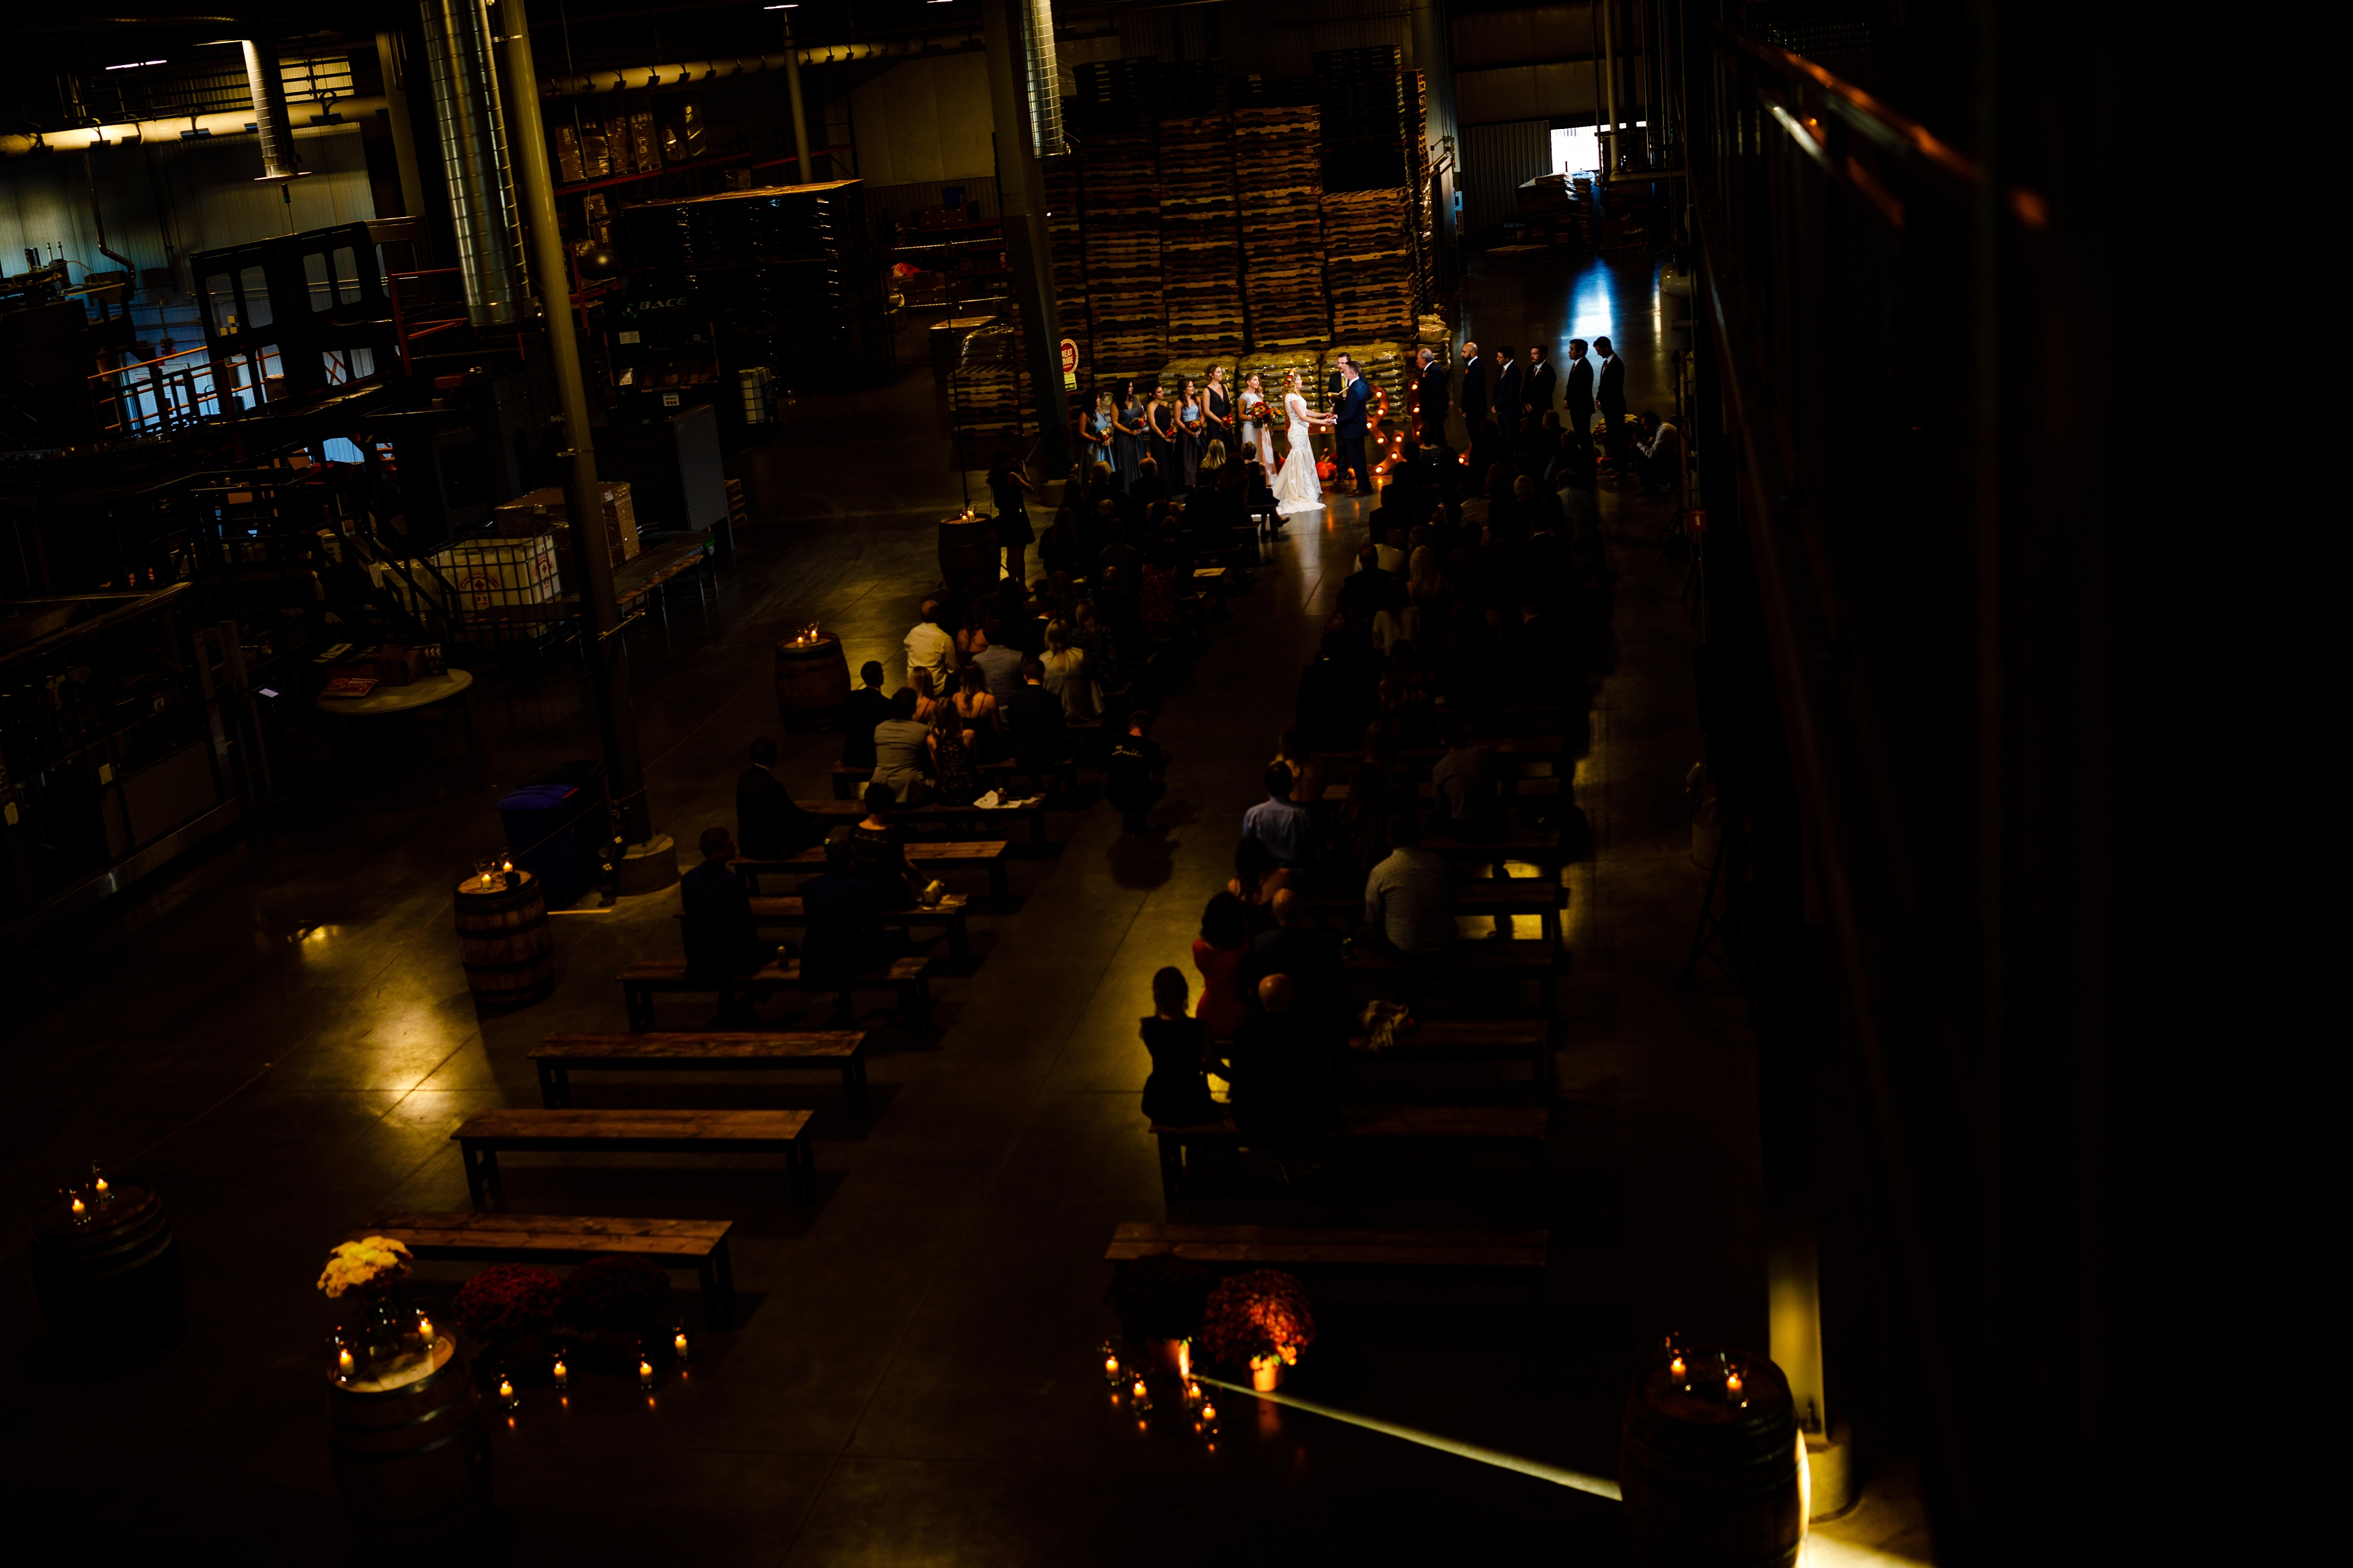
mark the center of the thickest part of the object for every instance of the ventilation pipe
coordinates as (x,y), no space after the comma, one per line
(630,79)
(1043,80)
(803,169)
(471,128)
(268,85)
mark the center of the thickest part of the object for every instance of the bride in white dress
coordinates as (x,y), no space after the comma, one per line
(1295,488)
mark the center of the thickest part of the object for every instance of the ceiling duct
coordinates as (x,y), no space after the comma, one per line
(471,127)
(268,84)
(1045,90)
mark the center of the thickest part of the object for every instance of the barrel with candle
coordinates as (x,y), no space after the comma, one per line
(812,679)
(503,940)
(109,1277)
(1710,1462)
(969,552)
(409,1443)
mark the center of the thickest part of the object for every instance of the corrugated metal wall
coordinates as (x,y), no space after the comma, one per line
(1496,160)
(925,120)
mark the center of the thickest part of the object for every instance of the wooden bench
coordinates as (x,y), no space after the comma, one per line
(948,913)
(488,1133)
(1517,1256)
(697,1244)
(843,812)
(1538,846)
(642,980)
(1001,775)
(1477,963)
(938,858)
(1507,1039)
(1520,1129)
(558,1056)
(1543,897)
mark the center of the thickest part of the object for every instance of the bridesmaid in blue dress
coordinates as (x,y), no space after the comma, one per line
(1127,438)
(1095,430)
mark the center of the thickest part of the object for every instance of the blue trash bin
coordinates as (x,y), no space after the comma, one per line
(547,833)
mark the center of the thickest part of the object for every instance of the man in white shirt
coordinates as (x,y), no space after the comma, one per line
(931,649)
(1658,459)
(1410,896)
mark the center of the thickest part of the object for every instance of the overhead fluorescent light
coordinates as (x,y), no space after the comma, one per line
(794,7)
(134,65)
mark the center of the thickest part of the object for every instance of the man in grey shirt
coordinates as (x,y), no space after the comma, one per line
(1409,898)
(1000,666)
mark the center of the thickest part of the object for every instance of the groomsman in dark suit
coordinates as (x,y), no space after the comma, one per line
(1508,392)
(1577,395)
(1609,391)
(1474,391)
(1542,379)
(1430,400)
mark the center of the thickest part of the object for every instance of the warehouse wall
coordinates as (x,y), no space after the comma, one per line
(924,120)
(1496,160)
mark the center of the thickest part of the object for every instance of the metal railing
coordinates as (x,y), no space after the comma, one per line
(150,399)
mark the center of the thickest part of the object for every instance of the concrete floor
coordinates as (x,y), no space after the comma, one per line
(280,1037)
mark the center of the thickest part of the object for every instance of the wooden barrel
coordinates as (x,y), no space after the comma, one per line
(503,940)
(109,1287)
(969,554)
(812,682)
(413,1462)
(1710,1476)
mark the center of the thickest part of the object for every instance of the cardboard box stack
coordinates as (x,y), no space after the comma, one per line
(546,511)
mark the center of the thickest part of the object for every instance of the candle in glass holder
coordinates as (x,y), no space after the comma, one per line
(1677,1367)
(1194,1397)
(678,1344)
(79,1208)
(507,1394)
(1208,1415)
(1732,1383)
(344,1364)
(563,1374)
(645,1373)
(1111,1365)
(426,1333)
(1139,1396)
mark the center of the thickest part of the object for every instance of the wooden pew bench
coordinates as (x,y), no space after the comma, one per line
(697,1244)
(559,1056)
(1517,1256)
(1365,1129)
(1483,965)
(1465,1039)
(938,858)
(1537,847)
(948,915)
(1009,777)
(486,1134)
(946,818)
(1541,897)
(647,978)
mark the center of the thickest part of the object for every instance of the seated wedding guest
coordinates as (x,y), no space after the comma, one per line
(978,711)
(1464,783)
(867,705)
(1067,675)
(1150,486)
(1283,1092)
(1367,589)
(1137,776)
(1658,455)
(1365,821)
(1286,827)
(769,824)
(878,854)
(1256,880)
(1218,953)
(927,695)
(720,937)
(1178,1092)
(1410,896)
(902,750)
(1306,767)
(1000,663)
(1312,958)
(845,936)
(931,647)
(1063,550)
(1042,740)
(956,775)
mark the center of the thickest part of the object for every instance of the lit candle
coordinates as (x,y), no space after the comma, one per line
(1193,1395)
(1110,1366)
(1676,1366)
(424,1329)
(1139,1396)
(679,1344)
(101,1189)
(645,1373)
(80,1209)
(344,1365)
(1732,1380)
(1208,1415)
(563,1374)
(1185,1360)
(506,1388)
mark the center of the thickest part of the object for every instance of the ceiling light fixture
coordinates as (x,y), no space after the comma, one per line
(134,65)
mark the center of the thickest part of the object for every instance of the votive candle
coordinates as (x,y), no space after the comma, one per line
(1677,1367)
(563,1374)
(678,1344)
(645,1373)
(1732,1380)
(425,1332)
(344,1364)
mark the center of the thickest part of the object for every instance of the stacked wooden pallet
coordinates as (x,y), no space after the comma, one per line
(1119,177)
(1277,168)
(1066,245)
(1424,200)
(1368,263)
(990,394)
(1200,245)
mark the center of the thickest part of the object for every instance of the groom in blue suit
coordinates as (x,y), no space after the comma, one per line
(1355,396)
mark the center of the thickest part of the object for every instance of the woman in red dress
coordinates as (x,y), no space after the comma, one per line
(1218,953)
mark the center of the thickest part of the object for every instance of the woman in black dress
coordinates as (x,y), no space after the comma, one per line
(1217,411)
(1127,437)
(1007,487)
(1160,434)
(1178,1092)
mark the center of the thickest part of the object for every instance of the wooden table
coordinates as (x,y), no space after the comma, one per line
(425,692)
(987,853)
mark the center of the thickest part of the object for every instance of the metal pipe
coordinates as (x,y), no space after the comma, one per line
(803,169)
(390,62)
(267,82)
(474,159)
(1041,78)
(1609,84)
(625,78)
(606,650)
(98,217)
(134,133)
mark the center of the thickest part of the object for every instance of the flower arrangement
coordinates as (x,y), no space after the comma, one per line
(1257,1318)
(618,1294)
(508,1301)
(364,1264)
(1160,1296)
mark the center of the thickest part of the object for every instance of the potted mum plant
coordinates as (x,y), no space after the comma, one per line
(508,1308)
(1159,1299)
(368,1270)
(1260,1320)
(613,1303)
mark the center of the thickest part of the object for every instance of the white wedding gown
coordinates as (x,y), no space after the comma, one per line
(1296,489)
